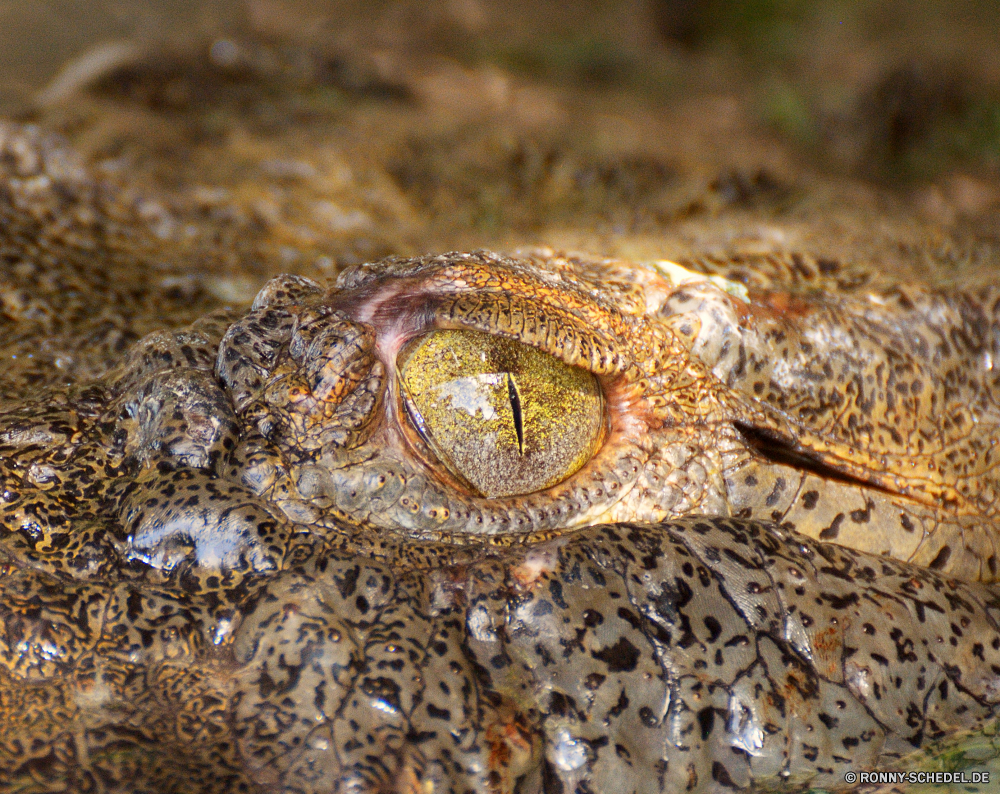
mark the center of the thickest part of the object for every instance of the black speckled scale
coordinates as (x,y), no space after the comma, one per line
(227,564)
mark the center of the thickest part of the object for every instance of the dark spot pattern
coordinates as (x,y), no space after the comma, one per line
(224,569)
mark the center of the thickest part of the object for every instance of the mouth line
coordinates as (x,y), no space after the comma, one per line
(777,450)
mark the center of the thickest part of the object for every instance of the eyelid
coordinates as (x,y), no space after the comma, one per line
(576,331)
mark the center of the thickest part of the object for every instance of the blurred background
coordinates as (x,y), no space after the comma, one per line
(307,135)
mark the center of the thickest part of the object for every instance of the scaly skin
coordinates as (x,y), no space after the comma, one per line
(232,563)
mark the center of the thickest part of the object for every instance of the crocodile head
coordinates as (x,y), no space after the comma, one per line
(548,523)
(475,396)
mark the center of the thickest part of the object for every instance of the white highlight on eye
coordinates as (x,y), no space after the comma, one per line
(472,394)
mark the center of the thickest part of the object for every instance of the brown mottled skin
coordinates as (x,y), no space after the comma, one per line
(232,563)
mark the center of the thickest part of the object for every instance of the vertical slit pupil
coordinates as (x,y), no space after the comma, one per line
(515,407)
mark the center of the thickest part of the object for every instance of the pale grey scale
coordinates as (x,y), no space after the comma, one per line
(690,625)
(942,701)
(46,625)
(187,521)
(888,689)
(298,659)
(407,659)
(369,727)
(480,692)
(704,632)
(701,758)
(249,351)
(287,290)
(888,674)
(604,687)
(150,625)
(194,347)
(450,713)
(254,463)
(752,719)
(814,719)
(182,415)
(812,756)
(918,628)
(740,567)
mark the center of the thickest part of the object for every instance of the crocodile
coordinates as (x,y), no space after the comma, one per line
(537,522)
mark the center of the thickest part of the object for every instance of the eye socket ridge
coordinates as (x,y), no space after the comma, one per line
(503,418)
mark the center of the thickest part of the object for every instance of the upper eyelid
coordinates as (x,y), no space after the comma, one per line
(576,330)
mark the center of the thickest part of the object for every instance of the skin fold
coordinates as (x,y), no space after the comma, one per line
(236,558)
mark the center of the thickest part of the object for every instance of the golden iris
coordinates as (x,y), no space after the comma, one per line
(503,417)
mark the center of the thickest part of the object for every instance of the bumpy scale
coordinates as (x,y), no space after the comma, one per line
(233,562)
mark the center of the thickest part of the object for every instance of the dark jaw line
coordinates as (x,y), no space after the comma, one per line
(777,450)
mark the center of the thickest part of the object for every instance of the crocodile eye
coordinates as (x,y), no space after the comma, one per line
(504,418)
